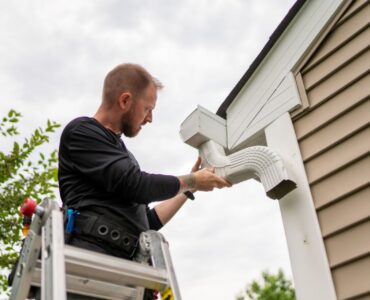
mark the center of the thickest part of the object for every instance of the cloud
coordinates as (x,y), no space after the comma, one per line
(53,59)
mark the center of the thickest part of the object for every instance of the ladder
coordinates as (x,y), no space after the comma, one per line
(64,268)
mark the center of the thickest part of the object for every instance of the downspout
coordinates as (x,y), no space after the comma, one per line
(207,132)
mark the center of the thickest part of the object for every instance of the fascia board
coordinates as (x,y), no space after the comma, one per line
(273,70)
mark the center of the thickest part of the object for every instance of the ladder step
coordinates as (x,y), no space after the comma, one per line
(93,288)
(97,266)
(95,274)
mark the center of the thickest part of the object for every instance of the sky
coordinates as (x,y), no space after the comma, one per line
(54,56)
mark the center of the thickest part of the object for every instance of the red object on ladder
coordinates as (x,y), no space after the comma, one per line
(28,207)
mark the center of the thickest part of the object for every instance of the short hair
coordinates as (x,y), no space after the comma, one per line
(128,77)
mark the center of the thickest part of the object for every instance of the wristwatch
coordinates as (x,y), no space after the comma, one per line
(189,195)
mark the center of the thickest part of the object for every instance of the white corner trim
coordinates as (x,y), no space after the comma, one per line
(310,267)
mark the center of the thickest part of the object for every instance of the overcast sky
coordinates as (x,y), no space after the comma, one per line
(53,58)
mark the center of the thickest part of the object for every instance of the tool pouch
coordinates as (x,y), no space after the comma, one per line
(100,229)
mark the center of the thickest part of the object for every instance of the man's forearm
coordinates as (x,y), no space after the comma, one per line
(168,208)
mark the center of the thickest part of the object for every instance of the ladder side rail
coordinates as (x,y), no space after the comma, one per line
(171,271)
(53,279)
(142,257)
(139,293)
(27,260)
(161,259)
(29,253)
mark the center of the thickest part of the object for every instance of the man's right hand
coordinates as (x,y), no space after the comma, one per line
(207,180)
(202,180)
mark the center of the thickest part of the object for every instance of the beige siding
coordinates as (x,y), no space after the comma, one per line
(343,154)
(334,137)
(349,245)
(329,110)
(352,280)
(336,131)
(352,210)
(343,33)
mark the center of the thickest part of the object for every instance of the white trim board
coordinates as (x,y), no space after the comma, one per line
(284,98)
(272,79)
(310,266)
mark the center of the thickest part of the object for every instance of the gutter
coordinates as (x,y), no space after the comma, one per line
(206,132)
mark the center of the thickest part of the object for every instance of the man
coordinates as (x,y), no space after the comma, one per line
(101,183)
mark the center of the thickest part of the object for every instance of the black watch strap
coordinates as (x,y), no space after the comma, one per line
(190,195)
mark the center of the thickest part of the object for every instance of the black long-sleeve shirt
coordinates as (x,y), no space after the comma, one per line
(97,170)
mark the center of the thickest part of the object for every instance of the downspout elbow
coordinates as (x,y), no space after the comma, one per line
(257,162)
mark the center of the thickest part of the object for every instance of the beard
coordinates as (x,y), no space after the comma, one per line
(127,127)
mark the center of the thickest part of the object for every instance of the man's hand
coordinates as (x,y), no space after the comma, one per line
(197,165)
(202,179)
(207,180)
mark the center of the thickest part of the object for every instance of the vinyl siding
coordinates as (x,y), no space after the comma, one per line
(334,137)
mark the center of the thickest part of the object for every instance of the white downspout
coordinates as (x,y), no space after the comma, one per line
(256,162)
(207,132)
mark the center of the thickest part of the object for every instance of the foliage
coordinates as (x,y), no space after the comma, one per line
(22,174)
(273,287)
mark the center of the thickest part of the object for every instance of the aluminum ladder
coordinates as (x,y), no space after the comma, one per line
(65,268)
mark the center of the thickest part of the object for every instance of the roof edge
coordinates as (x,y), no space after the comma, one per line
(266,49)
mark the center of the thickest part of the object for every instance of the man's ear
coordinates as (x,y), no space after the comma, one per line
(125,101)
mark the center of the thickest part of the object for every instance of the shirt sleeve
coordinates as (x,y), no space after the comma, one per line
(103,162)
(154,221)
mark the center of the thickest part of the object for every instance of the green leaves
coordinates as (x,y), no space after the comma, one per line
(7,127)
(272,287)
(22,174)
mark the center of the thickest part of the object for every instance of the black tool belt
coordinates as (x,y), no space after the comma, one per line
(101,229)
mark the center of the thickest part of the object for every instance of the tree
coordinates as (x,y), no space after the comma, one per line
(273,287)
(23,173)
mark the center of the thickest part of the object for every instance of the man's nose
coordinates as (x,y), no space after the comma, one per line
(149,117)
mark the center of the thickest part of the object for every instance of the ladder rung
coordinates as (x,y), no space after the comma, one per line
(94,274)
(93,288)
(102,267)
(93,266)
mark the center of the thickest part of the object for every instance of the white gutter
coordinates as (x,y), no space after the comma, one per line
(207,132)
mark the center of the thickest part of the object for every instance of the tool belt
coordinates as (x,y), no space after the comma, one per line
(101,229)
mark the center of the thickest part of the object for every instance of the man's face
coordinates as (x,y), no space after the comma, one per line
(140,112)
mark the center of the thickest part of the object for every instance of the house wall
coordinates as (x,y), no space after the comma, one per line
(333,134)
